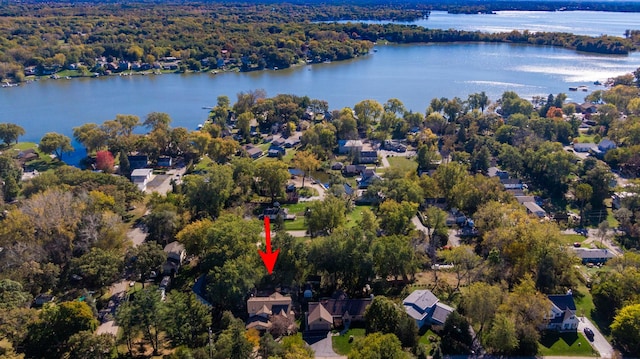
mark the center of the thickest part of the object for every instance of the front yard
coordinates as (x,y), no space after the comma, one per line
(564,344)
(341,343)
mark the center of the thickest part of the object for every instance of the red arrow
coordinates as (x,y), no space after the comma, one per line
(269,258)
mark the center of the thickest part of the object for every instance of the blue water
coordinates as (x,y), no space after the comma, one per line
(412,73)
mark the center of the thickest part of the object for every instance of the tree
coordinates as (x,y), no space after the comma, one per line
(232,342)
(12,295)
(326,215)
(583,193)
(91,136)
(464,261)
(228,285)
(55,143)
(367,112)
(480,304)
(98,267)
(502,338)
(194,236)
(9,132)
(625,329)
(47,338)
(104,161)
(186,319)
(146,258)
(85,344)
(243,124)
(10,174)
(208,194)
(269,347)
(162,223)
(456,337)
(157,121)
(426,156)
(307,162)
(394,256)
(147,311)
(272,177)
(382,315)
(395,218)
(377,345)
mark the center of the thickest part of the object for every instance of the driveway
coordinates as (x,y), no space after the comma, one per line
(323,347)
(599,343)
(454,239)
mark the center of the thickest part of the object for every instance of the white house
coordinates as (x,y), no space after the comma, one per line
(141,177)
(562,316)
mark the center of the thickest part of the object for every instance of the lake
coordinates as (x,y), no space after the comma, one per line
(412,73)
(591,23)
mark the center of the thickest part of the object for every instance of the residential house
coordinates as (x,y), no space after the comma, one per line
(425,308)
(368,177)
(593,255)
(606,145)
(511,183)
(496,172)
(562,316)
(253,152)
(337,166)
(367,157)
(43,299)
(164,161)
(343,311)
(533,208)
(262,309)
(276,151)
(176,254)
(584,147)
(141,177)
(349,146)
(350,170)
(274,212)
(138,161)
(27,155)
(319,319)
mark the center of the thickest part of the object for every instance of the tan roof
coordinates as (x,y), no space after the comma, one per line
(255,304)
(320,312)
(264,310)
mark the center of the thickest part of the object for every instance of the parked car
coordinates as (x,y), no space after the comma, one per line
(588,333)
(577,244)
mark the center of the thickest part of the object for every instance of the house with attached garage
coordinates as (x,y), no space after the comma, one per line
(562,316)
(342,312)
(425,308)
(261,310)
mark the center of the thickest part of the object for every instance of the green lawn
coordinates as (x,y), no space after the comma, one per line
(584,138)
(584,302)
(341,343)
(403,163)
(354,216)
(570,239)
(204,164)
(564,344)
(296,225)
(42,164)
(424,338)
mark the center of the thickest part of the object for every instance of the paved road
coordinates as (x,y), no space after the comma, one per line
(599,343)
(117,291)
